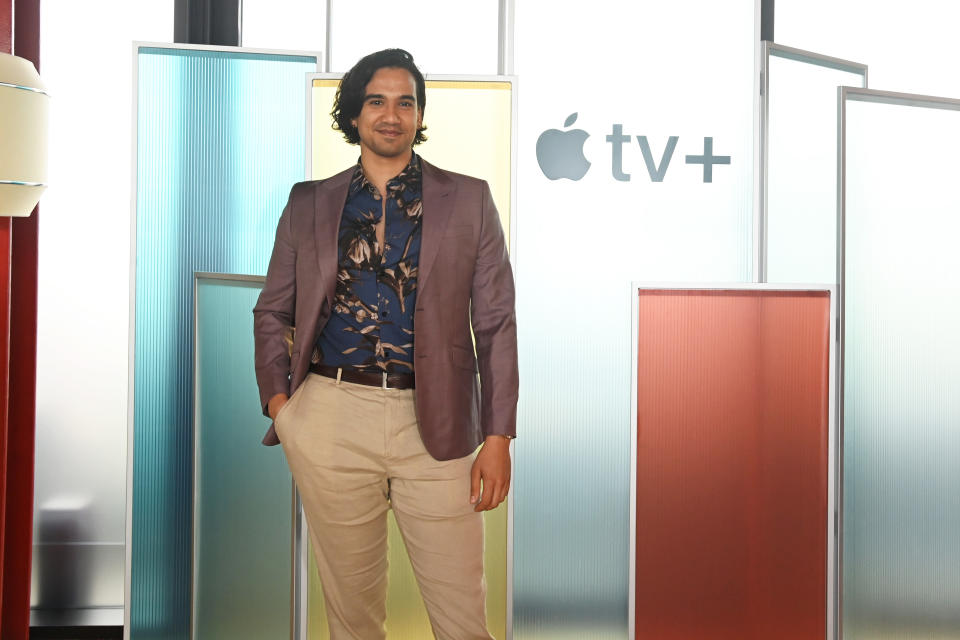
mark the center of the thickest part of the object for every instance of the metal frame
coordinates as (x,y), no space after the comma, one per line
(505,36)
(132,270)
(308,168)
(833,427)
(857,94)
(328,38)
(9,85)
(768,49)
(137,45)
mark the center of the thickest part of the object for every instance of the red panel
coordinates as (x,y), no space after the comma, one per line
(732,464)
(18,543)
(18,291)
(4,369)
(6,46)
(6,26)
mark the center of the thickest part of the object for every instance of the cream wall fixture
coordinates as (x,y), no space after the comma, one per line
(23,136)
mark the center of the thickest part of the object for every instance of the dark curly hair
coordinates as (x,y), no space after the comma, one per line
(350,93)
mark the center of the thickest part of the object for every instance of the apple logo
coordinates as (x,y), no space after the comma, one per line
(560,153)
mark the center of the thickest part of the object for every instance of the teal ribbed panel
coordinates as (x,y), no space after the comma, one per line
(220,139)
(242,525)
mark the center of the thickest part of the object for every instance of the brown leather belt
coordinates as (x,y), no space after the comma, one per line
(369,378)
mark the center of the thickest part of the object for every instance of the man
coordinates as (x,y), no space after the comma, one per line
(382,270)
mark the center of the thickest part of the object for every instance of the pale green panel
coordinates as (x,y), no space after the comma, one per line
(901,513)
(243,492)
(802,170)
(483,151)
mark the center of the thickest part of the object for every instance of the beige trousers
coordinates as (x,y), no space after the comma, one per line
(355,451)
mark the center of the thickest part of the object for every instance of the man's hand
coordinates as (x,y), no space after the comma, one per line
(492,468)
(275,404)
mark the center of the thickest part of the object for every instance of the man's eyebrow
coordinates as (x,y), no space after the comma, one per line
(380,96)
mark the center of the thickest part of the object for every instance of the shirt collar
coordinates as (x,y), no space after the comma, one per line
(411,177)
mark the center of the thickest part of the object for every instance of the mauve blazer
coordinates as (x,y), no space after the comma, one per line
(464,281)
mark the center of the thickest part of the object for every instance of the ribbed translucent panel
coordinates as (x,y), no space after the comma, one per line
(579,245)
(220,139)
(242,525)
(483,150)
(901,500)
(802,168)
(732,464)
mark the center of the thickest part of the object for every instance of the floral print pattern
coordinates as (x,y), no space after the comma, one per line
(371,327)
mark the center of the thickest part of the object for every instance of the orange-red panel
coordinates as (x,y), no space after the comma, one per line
(732,464)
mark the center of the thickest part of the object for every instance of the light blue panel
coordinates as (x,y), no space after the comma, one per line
(243,492)
(901,372)
(220,139)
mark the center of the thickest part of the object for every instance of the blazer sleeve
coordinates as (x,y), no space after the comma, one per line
(495,325)
(273,314)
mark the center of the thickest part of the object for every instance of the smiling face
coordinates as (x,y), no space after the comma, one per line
(390,116)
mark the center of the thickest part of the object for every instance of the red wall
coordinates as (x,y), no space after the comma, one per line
(20,35)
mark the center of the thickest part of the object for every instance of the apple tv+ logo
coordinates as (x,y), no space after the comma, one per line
(560,154)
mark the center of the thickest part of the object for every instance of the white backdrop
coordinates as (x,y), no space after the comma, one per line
(684,69)
(84,282)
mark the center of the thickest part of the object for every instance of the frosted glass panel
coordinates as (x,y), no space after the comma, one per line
(581,242)
(802,169)
(484,151)
(220,139)
(901,503)
(81,427)
(75,575)
(443,36)
(733,464)
(284,24)
(243,492)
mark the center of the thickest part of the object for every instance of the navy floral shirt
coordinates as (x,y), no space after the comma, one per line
(371,324)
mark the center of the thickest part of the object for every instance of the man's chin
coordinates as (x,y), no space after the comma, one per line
(389,151)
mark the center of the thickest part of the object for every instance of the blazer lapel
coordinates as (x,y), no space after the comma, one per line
(329,199)
(439,194)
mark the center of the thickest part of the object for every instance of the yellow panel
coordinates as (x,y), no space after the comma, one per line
(406,615)
(469,130)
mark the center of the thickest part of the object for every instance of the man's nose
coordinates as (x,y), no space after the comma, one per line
(392,112)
